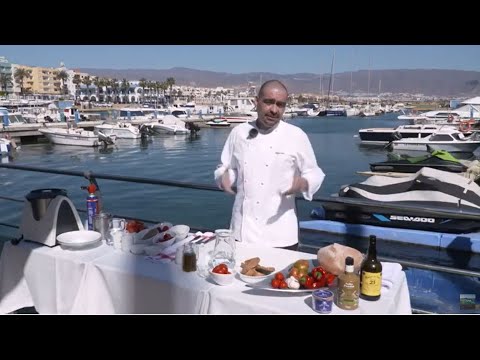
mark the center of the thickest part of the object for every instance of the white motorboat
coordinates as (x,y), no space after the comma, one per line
(218,123)
(382,136)
(447,139)
(169,125)
(121,130)
(76,136)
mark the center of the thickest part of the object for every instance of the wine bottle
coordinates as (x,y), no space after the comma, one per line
(348,287)
(371,273)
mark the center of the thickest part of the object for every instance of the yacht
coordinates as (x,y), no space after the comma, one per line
(447,139)
(382,136)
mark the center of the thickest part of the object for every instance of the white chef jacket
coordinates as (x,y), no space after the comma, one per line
(263,168)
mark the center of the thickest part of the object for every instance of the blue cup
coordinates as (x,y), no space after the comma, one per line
(322,301)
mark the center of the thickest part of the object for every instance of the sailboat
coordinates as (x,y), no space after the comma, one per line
(330,86)
(367,111)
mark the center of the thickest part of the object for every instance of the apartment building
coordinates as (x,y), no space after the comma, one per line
(6,83)
(41,81)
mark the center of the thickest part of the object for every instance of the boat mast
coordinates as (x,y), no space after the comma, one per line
(330,85)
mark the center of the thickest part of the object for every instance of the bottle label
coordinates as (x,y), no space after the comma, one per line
(371,283)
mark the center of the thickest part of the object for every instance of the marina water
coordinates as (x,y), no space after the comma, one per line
(193,160)
(181,158)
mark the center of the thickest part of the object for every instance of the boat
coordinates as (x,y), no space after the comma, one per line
(218,123)
(439,159)
(169,125)
(446,138)
(121,130)
(382,136)
(6,146)
(430,199)
(76,136)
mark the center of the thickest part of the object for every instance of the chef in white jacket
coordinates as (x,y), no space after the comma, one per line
(269,161)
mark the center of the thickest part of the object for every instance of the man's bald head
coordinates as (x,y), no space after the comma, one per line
(268,84)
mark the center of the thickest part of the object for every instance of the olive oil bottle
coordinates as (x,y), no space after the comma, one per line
(371,273)
(348,288)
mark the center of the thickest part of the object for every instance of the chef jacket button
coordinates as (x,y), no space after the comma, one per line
(266,165)
(258,202)
(261,183)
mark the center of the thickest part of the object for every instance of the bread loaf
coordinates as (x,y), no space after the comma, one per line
(332,258)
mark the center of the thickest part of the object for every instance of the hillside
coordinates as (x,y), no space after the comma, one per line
(449,83)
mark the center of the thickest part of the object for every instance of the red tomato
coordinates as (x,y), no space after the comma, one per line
(295,273)
(276,283)
(167,237)
(279,276)
(283,284)
(220,269)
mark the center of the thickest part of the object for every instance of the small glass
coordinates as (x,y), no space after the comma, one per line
(101,223)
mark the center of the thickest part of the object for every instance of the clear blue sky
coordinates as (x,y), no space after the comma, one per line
(280,59)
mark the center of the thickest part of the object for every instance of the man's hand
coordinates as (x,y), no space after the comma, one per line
(299,185)
(226,183)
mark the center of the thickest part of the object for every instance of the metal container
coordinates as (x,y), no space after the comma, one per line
(41,198)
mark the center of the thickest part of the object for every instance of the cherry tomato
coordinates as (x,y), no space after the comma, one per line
(279,276)
(276,283)
(283,284)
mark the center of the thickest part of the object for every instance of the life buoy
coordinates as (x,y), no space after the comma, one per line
(450,118)
(466,126)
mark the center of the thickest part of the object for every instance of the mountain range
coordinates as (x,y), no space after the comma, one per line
(442,83)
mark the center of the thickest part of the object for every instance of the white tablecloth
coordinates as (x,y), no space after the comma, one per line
(105,281)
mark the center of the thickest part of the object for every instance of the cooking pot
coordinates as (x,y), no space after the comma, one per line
(41,198)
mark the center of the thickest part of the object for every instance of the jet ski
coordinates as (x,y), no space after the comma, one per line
(430,200)
(439,159)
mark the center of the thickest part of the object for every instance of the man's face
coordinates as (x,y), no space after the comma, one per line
(271,105)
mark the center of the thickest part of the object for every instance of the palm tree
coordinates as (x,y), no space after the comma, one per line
(125,87)
(63,76)
(87,82)
(77,81)
(5,80)
(164,87)
(170,82)
(114,85)
(98,82)
(143,83)
(20,75)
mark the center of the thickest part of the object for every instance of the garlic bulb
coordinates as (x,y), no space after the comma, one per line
(293,283)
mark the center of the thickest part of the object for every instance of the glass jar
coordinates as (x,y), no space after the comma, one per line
(224,250)
(189,258)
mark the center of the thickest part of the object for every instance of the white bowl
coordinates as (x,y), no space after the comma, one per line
(181,231)
(253,279)
(158,239)
(223,279)
(79,238)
